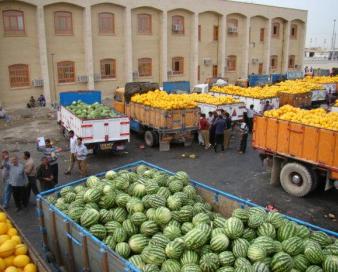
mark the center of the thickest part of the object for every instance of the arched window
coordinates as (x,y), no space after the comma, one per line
(66,71)
(275,29)
(231,63)
(293,32)
(108,68)
(144,24)
(106,23)
(232,26)
(292,60)
(145,67)
(18,75)
(178,65)
(63,23)
(274,62)
(178,24)
(13,22)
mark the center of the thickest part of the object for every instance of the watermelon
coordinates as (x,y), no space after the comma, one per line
(138,242)
(293,246)
(267,229)
(260,267)
(186,213)
(155,201)
(240,247)
(189,257)
(281,262)
(303,232)
(174,203)
(92,195)
(219,222)
(226,269)
(120,214)
(89,217)
(219,243)
(75,213)
(174,249)
(122,199)
(216,231)
(139,190)
(255,220)
(256,253)
(314,268)
(162,215)
(105,216)
(190,191)
(191,268)
(111,226)
(300,262)
(186,227)
(141,169)
(164,192)
(65,190)
(241,262)
(200,218)
(109,240)
(267,242)
(172,232)
(241,214)
(171,265)
(159,240)
(137,261)
(110,175)
(69,197)
(226,258)
(129,227)
(151,268)
(138,218)
(120,235)
(331,249)
(331,264)
(175,185)
(149,228)
(321,238)
(233,228)
(209,262)
(249,234)
(314,254)
(275,218)
(122,249)
(153,255)
(287,231)
(99,231)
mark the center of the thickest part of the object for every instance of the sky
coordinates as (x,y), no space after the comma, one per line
(321,14)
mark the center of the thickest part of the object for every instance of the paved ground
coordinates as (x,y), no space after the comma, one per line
(241,175)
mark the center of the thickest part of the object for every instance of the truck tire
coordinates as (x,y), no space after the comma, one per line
(296,179)
(150,138)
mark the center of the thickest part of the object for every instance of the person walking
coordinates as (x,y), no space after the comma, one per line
(244,136)
(45,175)
(219,132)
(72,146)
(251,113)
(50,152)
(30,172)
(227,131)
(81,157)
(212,129)
(7,189)
(204,130)
(17,180)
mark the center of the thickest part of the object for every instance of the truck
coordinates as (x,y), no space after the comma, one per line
(176,86)
(111,133)
(257,102)
(301,155)
(157,126)
(76,249)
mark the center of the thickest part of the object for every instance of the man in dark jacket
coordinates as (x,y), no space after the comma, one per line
(45,175)
(220,125)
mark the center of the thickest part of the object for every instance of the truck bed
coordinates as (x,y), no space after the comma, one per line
(313,145)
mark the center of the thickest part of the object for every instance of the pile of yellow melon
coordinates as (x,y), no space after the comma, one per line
(13,252)
(321,79)
(317,117)
(212,100)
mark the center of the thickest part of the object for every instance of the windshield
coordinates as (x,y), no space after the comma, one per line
(197,90)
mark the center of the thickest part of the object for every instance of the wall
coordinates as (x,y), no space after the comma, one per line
(295,45)
(277,45)
(257,48)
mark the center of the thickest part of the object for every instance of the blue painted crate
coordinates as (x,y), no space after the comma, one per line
(89,97)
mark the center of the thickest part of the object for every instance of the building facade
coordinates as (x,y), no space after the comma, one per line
(49,46)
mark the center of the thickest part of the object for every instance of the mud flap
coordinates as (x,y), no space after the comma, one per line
(329,184)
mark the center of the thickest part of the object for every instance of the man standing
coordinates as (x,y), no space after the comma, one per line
(81,156)
(227,131)
(50,152)
(267,106)
(17,180)
(204,130)
(244,137)
(5,175)
(72,146)
(219,132)
(31,175)
(251,113)
(45,175)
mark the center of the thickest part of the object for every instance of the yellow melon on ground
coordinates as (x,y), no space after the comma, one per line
(21,249)
(21,260)
(30,268)
(7,248)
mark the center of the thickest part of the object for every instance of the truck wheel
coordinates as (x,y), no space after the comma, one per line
(156,138)
(149,138)
(296,179)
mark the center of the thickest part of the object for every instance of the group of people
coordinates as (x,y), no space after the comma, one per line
(41,102)
(20,178)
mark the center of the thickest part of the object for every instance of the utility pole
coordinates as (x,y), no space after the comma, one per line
(333,40)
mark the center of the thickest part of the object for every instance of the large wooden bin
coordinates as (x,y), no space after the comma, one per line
(296,100)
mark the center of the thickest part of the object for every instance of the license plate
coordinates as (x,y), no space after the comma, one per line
(106,146)
(120,147)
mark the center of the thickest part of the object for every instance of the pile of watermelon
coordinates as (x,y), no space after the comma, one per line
(160,223)
(93,111)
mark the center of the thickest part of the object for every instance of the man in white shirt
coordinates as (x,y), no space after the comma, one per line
(81,152)
(251,112)
(72,146)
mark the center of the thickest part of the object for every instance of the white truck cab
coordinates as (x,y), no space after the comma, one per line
(200,88)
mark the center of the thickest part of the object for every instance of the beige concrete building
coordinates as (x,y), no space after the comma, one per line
(49,46)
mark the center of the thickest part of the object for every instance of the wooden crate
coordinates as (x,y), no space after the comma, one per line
(191,118)
(127,109)
(296,100)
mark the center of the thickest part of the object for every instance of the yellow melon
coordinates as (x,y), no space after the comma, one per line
(3,228)
(2,264)
(9,260)
(30,268)
(16,239)
(3,217)
(12,232)
(21,260)
(21,249)
(4,238)
(11,269)
(7,248)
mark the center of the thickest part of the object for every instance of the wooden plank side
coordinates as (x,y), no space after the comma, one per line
(326,151)
(335,155)
(310,144)
(176,119)
(190,118)
(260,132)
(271,134)
(283,137)
(296,139)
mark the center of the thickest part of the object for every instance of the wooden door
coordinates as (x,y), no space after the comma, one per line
(214,71)
(260,68)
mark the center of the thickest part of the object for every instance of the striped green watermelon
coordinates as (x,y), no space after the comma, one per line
(191,268)
(186,213)
(151,268)
(314,268)
(120,235)
(183,196)
(75,213)
(219,243)
(219,222)
(205,249)
(172,232)
(139,190)
(107,201)
(226,269)
(110,174)
(65,190)
(276,219)
(92,205)
(171,265)
(120,214)
(149,228)
(281,262)
(105,216)
(209,262)
(175,186)
(129,227)
(200,218)
(99,231)
(321,238)
(92,195)
(79,188)
(260,267)
(189,257)
(314,254)
(138,218)
(303,232)
(155,201)
(293,246)
(89,217)
(226,258)
(174,249)
(240,247)
(256,253)
(134,205)
(190,191)
(69,197)
(174,203)
(287,231)
(174,223)
(216,231)
(258,211)
(150,213)
(137,261)
(164,192)
(186,227)
(138,242)
(249,234)
(153,255)
(241,214)
(62,206)
(162,215)
(159,240)
(200,207)
(122,199)
(255,220)
(331,249)
(122,249)
(267,242)
(233,228)
(109,240)
(241,262)
(183,176)
(112,226)
(330,264)
(300,262)
(122,182)
(267,261)
(151,187)
(206,228)
(92,181)
(267,229)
